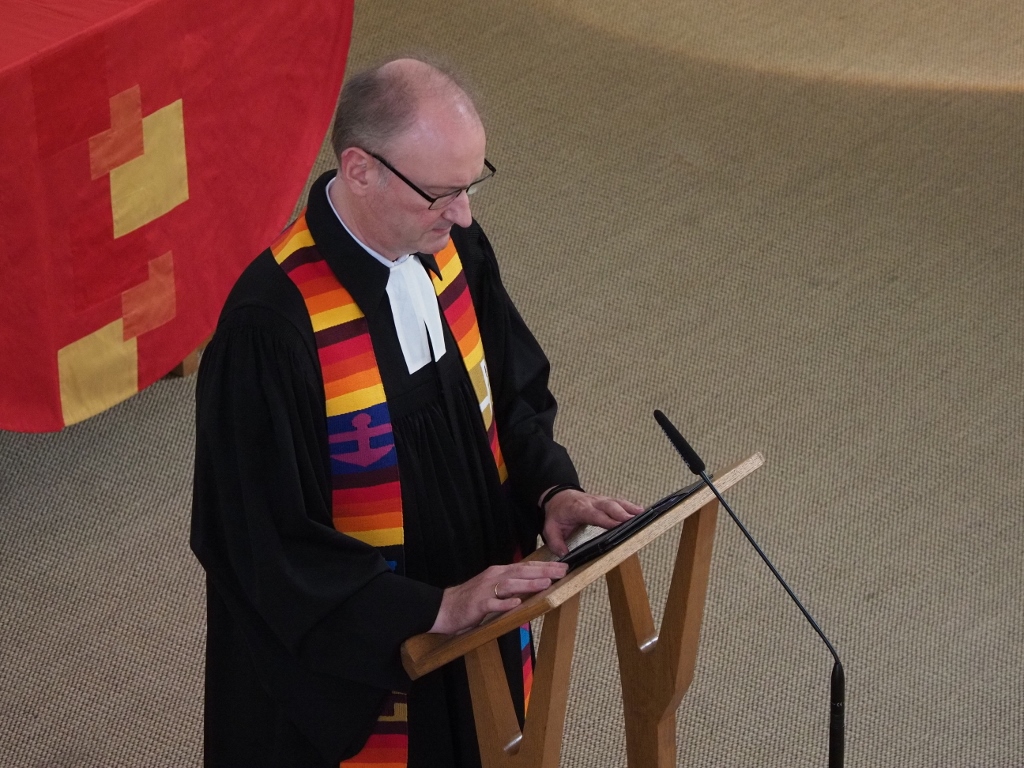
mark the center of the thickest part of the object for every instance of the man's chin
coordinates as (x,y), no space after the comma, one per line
(436,239)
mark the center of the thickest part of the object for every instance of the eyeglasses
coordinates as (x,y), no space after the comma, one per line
(448,197)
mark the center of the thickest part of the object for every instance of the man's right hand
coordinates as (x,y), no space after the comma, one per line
(495,590)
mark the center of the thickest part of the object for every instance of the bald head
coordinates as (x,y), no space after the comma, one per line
(380,105)
(407,135)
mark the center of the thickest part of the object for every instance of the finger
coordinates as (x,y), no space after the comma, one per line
(629,506)
(503,604)
(554,539)
(603,519)
(527,569)
(537,569)
(523,586)
(614,509)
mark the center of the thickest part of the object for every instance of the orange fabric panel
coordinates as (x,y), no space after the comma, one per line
(123,141)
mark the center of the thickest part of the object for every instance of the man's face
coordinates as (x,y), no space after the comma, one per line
(443,151)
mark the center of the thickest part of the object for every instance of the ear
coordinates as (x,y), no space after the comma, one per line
(357,170)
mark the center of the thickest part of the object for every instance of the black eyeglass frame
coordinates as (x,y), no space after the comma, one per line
(445,199)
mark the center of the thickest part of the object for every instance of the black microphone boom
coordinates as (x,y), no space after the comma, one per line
(837,723)
(693,461)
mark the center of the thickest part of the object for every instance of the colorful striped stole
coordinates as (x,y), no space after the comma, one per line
(366,494)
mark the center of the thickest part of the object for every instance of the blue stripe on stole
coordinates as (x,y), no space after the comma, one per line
(394,556)
(365,436)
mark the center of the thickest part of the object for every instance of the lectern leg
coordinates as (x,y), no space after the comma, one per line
(657,669)
(539,745)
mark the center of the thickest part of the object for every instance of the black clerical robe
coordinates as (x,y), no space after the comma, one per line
(305,623)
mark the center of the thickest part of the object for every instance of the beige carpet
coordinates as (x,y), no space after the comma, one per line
(792,233)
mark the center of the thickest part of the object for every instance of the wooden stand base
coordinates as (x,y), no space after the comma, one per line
(656,669)
(539,745)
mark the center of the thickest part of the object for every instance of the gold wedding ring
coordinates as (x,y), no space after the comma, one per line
(496,590)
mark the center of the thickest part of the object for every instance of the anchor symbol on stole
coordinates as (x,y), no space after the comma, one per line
(364,455)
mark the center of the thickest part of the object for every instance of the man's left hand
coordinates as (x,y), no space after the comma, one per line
(568,510)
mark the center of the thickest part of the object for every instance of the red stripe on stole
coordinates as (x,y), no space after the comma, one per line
(372,508)
(495,445)
(378,514)
(460,307)
(312,270)
(382,749)
(347,367)
(372,493)
(343,350)
(319,286)
(386,740)
(372,758)
(462,328)
(381,501)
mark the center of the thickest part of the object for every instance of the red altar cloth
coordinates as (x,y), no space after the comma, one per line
(149,149)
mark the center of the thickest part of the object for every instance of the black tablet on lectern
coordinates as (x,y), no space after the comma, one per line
(611,538)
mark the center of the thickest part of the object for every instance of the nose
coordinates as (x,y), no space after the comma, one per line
(458,211)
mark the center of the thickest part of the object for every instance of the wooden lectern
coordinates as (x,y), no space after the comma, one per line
(655,667)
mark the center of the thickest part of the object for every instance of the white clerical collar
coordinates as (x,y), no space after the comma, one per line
(413,303)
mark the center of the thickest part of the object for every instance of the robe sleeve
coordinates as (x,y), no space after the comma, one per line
(524,406)
(261,515)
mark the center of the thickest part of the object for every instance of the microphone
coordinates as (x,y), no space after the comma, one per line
(837,723)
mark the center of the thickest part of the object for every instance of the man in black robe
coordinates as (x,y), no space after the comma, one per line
(305,623)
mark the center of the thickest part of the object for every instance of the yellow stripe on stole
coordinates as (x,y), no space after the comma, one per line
(301,239)
(475,356)
(445,255)
(356,401)
(331,317)
(388,537)
(453,266)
